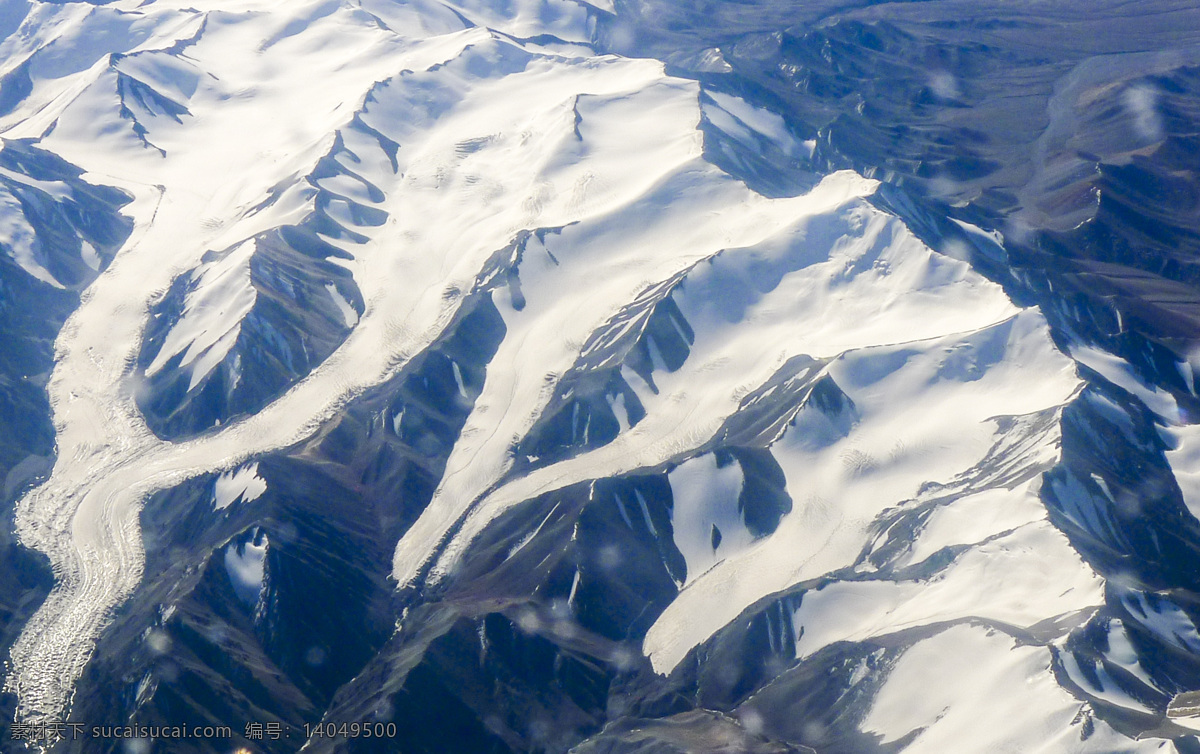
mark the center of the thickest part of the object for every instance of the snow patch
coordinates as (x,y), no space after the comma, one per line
(705,511)
(243,485)
(245,563)
(977,685)
(18,239)
(734,116)
(349,316)
(1002,580)
(220,296)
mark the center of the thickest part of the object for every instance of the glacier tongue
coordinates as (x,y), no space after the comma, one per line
(84,517)
(647,243)
(607,141)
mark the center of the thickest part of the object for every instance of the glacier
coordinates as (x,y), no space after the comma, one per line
(550,375)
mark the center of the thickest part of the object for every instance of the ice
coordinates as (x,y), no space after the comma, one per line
(18,240)
(899,444)
(600,266)
(56,189)
(1181,436)
(978,685)
(349,316)
(733,114)
(1115,370)
(974,518)
(469,139)
(221,296)
(90,257)
(1122,652)
(1164,618)
(1104,687)
(458,379)
(1001,580)
(245,562)
(604,146)
(243,484)
(252,108)
(706,497)
(1191,722)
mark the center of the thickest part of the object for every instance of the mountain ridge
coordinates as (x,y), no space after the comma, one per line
(710,380)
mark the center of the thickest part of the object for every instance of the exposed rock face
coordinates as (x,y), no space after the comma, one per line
(570,376)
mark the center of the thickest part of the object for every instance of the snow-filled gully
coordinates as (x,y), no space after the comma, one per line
(555,139)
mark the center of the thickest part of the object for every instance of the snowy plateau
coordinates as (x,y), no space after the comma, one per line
(606,376)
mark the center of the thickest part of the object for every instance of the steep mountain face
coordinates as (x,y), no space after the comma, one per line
(573,376)
(59,232)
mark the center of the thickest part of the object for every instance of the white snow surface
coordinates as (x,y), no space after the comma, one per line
(498,137)
(978,685)
(1179,431)
(706,498)
(18,240)
(966,383)
(245,564)
(255,120)
(212,316)
(738,118)
(349,316)
(244,485)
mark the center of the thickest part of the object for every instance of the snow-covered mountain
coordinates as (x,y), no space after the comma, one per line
(549,375)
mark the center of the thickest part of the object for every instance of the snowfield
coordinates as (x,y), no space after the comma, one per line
(429,149)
